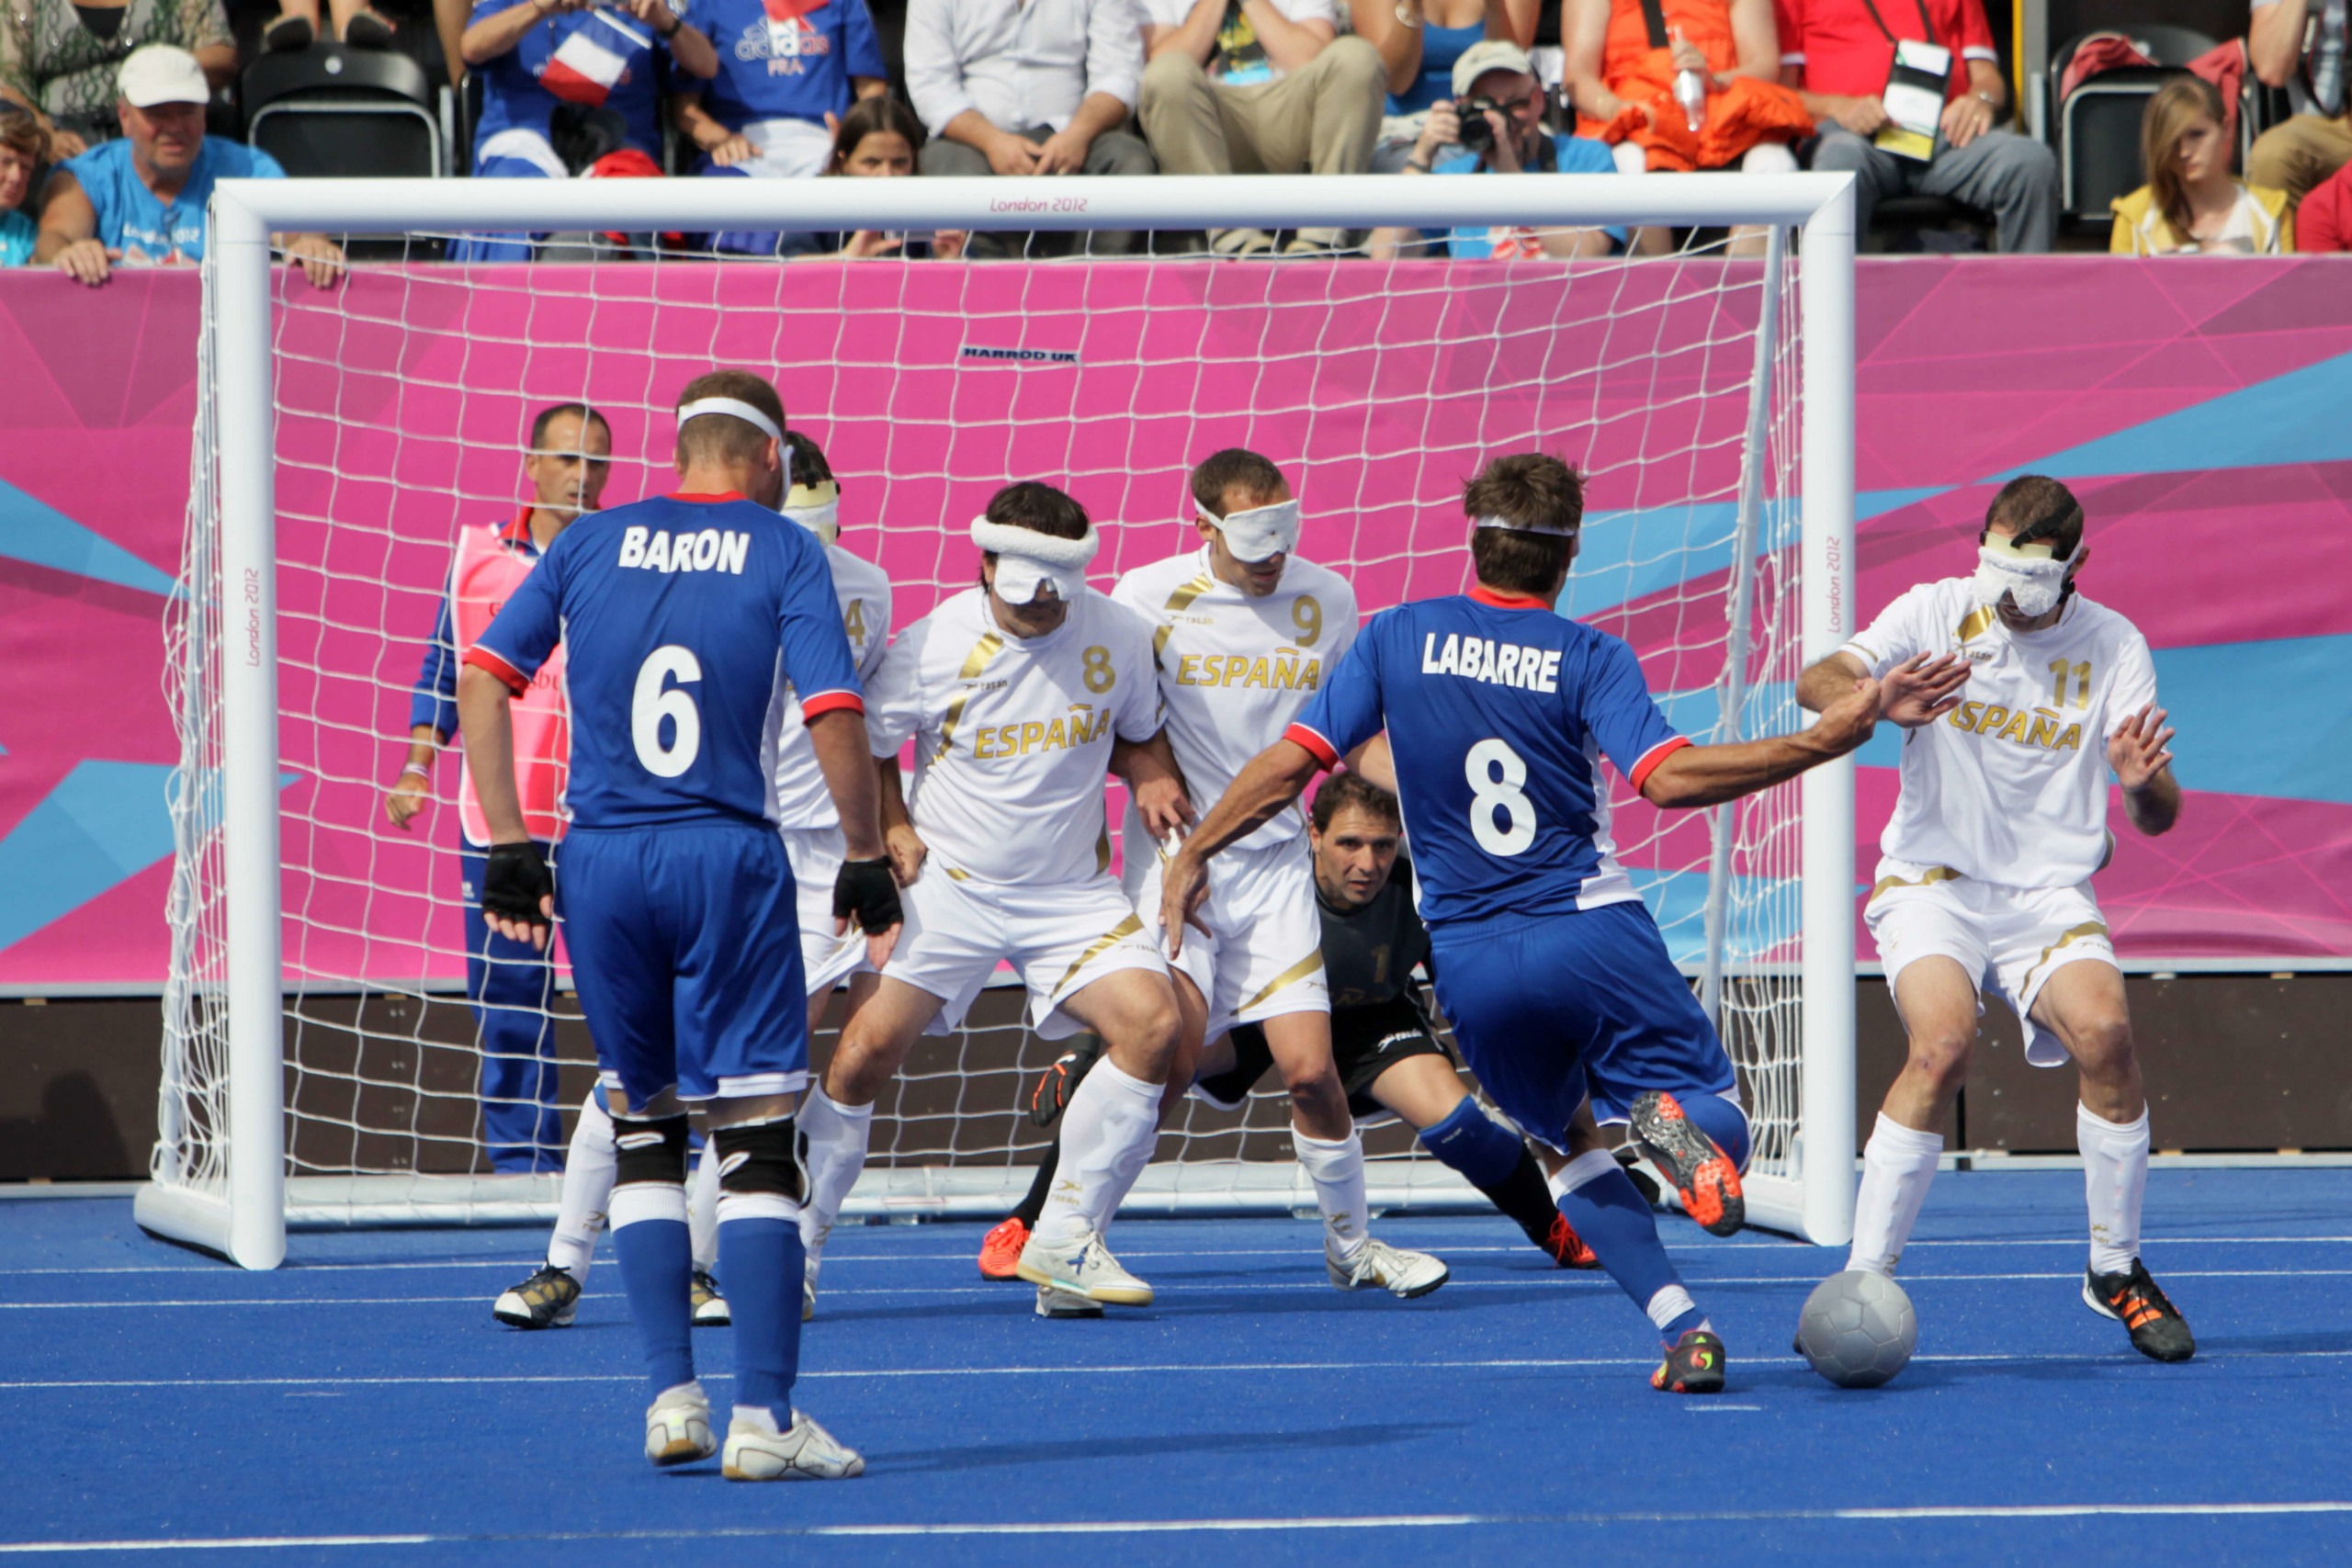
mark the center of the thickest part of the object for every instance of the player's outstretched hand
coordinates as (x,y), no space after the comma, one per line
(1182,887)
(1921,690)
(2138,751)
(867,892)
(1848,722)
(518,894)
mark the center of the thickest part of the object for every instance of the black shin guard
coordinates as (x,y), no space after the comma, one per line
(763,1158)
(649,1149)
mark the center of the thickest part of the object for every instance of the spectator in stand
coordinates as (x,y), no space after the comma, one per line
(2323,222)
(1501,74)
(59,58)
(1419,42)
(565,72)
(140,200)
(2302,47)
(1840,55)
(24,147)
(296,26)
(783,84)
(1622,77)
(1028,87)
(1259,87)
(2192,206)
(880,139)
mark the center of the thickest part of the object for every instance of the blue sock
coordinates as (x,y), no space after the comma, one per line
(657,1264)
(1475,1144)
(1720,1120)
(1609,1213)
(760,1259)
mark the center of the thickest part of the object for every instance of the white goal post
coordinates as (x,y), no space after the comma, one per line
(239,1205)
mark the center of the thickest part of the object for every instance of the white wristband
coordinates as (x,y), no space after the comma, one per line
(424,773)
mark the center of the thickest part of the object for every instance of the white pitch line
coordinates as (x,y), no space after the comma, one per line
(1546,1279)
(1229,1525)
(1065,1368)
(297,1269)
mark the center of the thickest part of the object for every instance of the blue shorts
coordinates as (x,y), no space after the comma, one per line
(1549,1010)
(685,946)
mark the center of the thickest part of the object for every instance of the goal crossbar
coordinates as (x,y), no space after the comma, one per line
(248,1222)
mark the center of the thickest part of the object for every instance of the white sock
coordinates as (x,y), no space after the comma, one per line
(1589,1165)
(1336,1166)
(1109,1130)
(837,1135)
(643,1200)
(2115,1180)
(1897,1165)
(702,1207)
(1670,1303)
(586,1188)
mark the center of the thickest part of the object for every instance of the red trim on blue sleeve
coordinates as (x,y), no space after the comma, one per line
(518,531)
(831,701)
(481,658)
(1483,594)
(1654,756)
(1322,750)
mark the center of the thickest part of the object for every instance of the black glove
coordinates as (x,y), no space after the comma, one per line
(513,882)
(868,895)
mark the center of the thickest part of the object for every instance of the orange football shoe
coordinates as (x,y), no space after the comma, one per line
(1000,1249)
(1703,1175)
(1567,1248)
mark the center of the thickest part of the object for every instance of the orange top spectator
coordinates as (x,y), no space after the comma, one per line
(1623,70)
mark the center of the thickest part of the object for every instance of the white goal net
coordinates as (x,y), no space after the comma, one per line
(397,410)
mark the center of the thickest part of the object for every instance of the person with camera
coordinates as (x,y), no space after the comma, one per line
(1494,124)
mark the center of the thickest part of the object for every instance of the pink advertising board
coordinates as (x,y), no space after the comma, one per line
(2198,411)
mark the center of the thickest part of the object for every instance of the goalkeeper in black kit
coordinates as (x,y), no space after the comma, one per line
(1385,1044)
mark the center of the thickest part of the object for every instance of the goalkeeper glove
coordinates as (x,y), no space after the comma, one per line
(513,882)
(868,895)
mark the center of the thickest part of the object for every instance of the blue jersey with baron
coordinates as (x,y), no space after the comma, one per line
(689,620)
(1500,713)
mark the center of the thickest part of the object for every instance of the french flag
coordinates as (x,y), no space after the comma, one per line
(587,65)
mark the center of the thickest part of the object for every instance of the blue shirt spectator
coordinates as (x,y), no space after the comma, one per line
(598,59)
(145,226)
(1570,156)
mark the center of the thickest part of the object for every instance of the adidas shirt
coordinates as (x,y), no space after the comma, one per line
(1235,671)
(863,591)
(1012,736)
(2011,787)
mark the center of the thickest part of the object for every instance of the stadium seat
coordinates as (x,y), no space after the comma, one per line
(1901,223)
(329,111)
(2098,124)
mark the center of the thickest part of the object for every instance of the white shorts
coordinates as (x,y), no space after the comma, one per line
(1059,938)
(2009,940)
(826,960)
(1263,955)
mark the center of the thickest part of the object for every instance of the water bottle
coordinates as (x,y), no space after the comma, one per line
(1690,92)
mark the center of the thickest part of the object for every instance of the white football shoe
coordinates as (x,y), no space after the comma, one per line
(677,1427)
(757,1452)
(1393,1269)
(1081,1265)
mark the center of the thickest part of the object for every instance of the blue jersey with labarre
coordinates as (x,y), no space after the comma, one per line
(687,621)
(1498,712)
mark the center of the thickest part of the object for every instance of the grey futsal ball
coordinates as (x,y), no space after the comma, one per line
(1857,1329)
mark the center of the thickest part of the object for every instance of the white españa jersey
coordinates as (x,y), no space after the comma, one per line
(1235,671)
(2011,787)
(1012,736)
(864,591)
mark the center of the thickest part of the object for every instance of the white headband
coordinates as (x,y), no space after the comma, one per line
(1259,534)
(1027,559)
(734,406)
(1507,524)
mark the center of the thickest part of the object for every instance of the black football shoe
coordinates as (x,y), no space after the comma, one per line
(1695,1365)
(2139,1304)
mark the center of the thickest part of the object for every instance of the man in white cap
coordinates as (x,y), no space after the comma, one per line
(1016,694)
(1494,125)
(140,200)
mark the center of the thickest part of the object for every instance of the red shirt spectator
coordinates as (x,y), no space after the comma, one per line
(2323,222)
(1846,48)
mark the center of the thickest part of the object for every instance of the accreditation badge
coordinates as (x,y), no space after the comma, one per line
(1915,99)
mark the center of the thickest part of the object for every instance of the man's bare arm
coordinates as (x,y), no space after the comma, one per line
(839,737)
(1706,776)
(1825,683)
(487,728)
